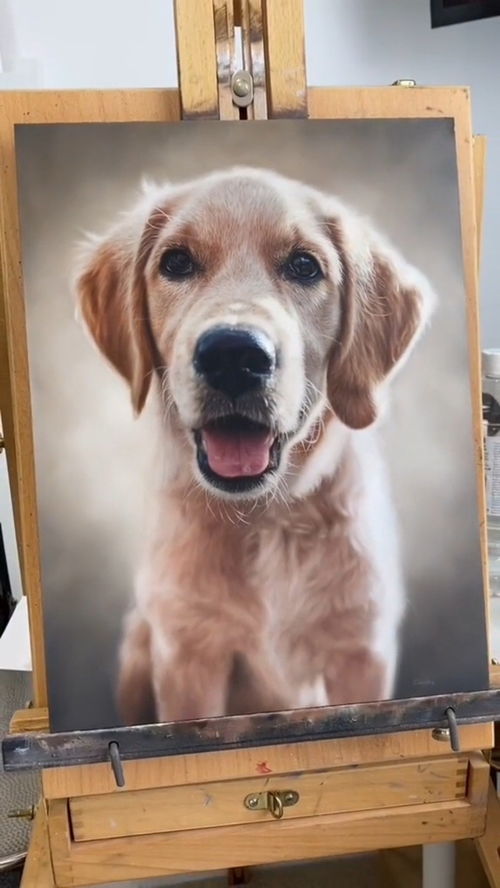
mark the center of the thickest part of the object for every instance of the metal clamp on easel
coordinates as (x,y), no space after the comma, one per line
(450,733)
(116,763)
(236,81)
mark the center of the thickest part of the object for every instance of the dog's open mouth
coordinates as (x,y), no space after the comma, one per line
(234,453)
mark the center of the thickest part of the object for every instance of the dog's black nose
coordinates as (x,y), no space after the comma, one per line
(234,360)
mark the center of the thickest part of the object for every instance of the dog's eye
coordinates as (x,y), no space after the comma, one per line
(302,267)
(177,264)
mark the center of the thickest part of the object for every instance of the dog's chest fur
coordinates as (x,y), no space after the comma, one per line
(285,589)
(313,576)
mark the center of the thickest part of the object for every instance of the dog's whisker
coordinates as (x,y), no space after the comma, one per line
(208,503)
(242,517)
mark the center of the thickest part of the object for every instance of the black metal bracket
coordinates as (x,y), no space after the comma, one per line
(442,714)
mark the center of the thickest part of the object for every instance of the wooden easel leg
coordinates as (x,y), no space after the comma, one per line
(37,871)
(488,845)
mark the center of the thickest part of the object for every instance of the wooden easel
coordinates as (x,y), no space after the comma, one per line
(355,794)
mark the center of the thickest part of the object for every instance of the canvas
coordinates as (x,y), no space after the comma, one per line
(253,429)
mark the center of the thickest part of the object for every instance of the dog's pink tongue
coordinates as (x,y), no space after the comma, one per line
(233,455)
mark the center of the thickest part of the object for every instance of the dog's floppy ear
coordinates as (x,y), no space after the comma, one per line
(385,304)
(111,295)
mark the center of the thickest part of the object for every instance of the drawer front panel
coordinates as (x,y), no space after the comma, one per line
(196,806)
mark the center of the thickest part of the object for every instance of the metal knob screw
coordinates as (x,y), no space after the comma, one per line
(241,87)
(442,734)
(25,814)
(451,732)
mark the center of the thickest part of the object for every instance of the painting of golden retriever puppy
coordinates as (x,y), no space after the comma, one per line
(268,320)
(253,427)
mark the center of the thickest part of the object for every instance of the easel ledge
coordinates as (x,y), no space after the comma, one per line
(90,829)
(445,715)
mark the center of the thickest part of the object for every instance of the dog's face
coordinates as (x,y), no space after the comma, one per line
(259,303)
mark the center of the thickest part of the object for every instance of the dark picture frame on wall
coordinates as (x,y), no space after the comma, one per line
(455,12)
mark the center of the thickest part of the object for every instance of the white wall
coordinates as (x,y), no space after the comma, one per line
(130,43)
(92,44)
(376,42)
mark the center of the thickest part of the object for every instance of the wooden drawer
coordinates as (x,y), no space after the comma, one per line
(197,806)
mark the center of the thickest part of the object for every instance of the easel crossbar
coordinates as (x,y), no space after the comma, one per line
(33,751)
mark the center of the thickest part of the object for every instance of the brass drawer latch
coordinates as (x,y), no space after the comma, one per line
(272,801)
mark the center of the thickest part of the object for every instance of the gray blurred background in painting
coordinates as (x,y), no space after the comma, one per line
(93,459)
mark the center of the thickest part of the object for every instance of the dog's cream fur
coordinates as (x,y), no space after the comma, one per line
(292,595)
